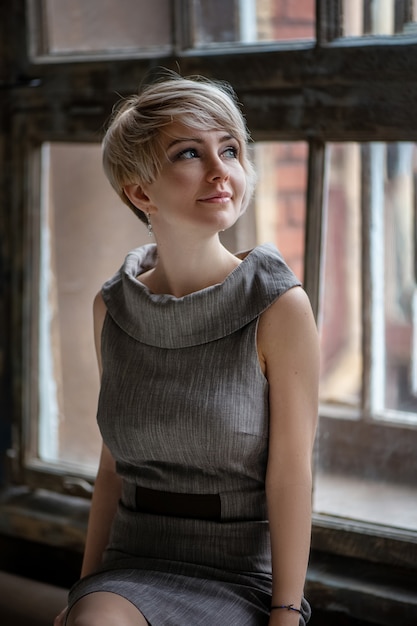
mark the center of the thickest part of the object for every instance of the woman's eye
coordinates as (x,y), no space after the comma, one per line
(189,153)
(231,152)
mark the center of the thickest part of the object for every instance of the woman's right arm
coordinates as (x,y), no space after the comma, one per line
(107,487)
(103,508)
(108,484)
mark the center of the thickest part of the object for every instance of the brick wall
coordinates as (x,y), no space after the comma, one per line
(285,169)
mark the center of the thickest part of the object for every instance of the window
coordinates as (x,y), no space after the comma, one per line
(250,21)
(76,231)
(379,17)
(79,29)
(82,234)
(68,28)
(366,463)
(326,88)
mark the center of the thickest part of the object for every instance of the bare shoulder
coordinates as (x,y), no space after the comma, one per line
(292,308)
(287,324)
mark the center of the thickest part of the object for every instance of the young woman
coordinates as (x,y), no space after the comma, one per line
(208,402)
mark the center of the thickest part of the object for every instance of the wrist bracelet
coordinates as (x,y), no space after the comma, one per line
(289,607)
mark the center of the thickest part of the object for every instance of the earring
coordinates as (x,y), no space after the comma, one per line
(150,229)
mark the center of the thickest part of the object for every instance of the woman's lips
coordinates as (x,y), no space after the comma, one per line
(221,196)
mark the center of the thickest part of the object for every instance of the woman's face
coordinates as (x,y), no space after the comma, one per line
(201,183)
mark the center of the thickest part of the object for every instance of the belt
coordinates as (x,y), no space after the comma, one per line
(191,505)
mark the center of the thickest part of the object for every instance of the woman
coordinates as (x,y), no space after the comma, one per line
(208,402)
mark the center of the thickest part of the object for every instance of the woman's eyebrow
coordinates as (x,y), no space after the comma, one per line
(199,140)
(174,142)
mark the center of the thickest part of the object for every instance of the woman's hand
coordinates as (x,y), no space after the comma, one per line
(60,619)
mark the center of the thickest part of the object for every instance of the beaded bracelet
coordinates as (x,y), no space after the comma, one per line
(289,607)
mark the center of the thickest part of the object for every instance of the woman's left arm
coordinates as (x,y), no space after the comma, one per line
(289,351)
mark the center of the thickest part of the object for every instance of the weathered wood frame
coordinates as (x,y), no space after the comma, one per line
(328,90)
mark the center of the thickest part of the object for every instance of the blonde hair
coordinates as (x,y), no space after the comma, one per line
(131,146)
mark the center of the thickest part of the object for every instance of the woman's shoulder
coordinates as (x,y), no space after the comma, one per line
(268,270)
(287,323)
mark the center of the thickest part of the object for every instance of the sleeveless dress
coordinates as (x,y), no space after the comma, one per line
(183,408)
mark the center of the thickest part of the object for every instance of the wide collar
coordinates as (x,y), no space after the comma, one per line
(207,315)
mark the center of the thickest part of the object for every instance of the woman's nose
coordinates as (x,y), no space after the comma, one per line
(217,169)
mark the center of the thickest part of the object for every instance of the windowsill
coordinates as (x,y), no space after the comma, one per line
(366,501)
(363,591)
(45,517)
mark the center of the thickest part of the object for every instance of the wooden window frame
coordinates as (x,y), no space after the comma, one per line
(329,90)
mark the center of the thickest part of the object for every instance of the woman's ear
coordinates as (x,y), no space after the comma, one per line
(137,196)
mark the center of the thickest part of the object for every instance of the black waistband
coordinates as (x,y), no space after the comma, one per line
(191,505)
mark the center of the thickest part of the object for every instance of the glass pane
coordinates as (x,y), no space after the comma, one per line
(340,321)
(365,468)
(85,233)
(380,17)
(86,26)
(400,287)
(280,198)
(249,21)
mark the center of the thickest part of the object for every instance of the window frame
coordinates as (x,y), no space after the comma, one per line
(37,44)
(316,79)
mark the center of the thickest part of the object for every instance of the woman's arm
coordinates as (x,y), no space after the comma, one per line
(288,348)
(103,507)
(108,484)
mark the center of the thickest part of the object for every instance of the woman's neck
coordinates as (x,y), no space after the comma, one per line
(187,267)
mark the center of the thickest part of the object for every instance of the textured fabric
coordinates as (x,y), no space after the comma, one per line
(183,408)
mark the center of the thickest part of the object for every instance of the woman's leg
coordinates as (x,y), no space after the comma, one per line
(105,609)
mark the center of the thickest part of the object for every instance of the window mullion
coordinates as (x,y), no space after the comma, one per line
(182,25)
(414,296)
(329,20)
(373,322)
(403,14)
(247,21)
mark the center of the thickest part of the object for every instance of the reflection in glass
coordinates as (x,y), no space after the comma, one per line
(379,17)
(85,26)
(249,21)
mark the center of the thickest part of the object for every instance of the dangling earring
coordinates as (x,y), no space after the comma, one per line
(150,229)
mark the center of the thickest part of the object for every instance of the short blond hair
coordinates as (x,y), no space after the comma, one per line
(131,146)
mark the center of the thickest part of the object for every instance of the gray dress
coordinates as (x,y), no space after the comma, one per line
(183,408)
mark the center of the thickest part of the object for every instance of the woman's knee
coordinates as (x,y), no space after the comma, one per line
(104,609)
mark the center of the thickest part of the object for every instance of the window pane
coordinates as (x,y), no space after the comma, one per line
(85,234)
(249,21)
(365,467)
(400,286)
(380,17)
(85,26)
(280,198)
(340,322)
